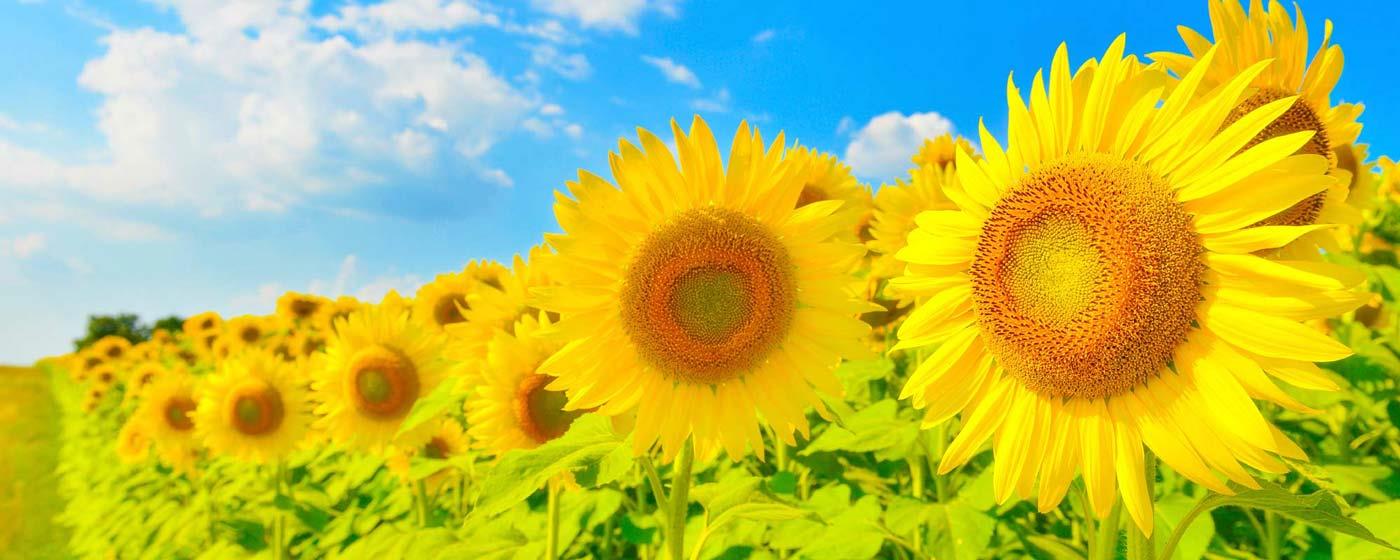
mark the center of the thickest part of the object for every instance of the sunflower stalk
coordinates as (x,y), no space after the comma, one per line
(420,492)
(679,501)
(916,477)
(1140,545)
(1106,535)
(552,492)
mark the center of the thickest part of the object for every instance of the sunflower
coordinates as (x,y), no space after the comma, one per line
(374,368)
(1096,289)
(509,406)
(443,302)
(495,307)
(341,308)
(88,360)
(702,297)
(104,376)
(941,151)
(301,309)
(133,442)
(142,377)
(253,409)
(167,412)
(1243,41)
(202,323)
(112,347)
(447,441)
(897,204)
(827,178)
(247,330)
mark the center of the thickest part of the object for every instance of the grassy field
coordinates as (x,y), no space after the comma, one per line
(28,457)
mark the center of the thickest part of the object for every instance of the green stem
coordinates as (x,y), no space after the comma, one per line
(209,504)
(781,451)
(655,479)
(1170,546)
(1106,537)
(1079,503)
(1140,545)
(279,544)
(916,476)
(679,501)
(940,443)
(420,490)
(1273,536)
(551,548)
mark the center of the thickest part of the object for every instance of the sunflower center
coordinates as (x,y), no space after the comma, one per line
(437,448)
(304,308)
(250,334)
(256,408)
(92,362)
(447,311)
(541,411)
(383,382)
(708,296)
(1298,118)
(177,413)
(114,352)
(1086,277)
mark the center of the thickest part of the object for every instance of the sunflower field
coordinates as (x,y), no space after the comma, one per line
(1156,319)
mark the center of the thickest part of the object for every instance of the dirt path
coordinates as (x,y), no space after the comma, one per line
(28,457)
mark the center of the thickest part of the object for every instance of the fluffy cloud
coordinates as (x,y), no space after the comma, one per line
(673,71)
(23,246)
(572,66)
(397,16)
(881,149)
(765,36)
(620,15)
(251,108)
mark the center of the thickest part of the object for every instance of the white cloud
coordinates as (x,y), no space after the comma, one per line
(102,225)
(415,148)
(77,266)
(881,149)
(572,66)
(249,105)
(346,282)
(497,177)
(765,36)
(551,110)
(673,71)
(719,103)
(537,127)
(11,124)
(619,15)
(23,246)
(397,16)
(573,130)
(845,126)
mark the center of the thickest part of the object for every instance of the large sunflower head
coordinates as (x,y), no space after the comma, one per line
(112,347)
(1097,288)
(446,442)
(167,411)
(827,178)
(133,442)
(1243,41)
(700,294)
(247,330)
(444,301)
(941,151)
(201,323)
(509,405)
(496,307)
(254,409)
(302,309)
(374,368)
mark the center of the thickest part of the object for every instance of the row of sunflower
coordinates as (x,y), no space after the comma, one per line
(1130,299)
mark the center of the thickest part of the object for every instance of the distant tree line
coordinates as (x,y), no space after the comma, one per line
(125,325)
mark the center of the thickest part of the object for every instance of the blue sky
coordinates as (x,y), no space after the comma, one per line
(176,156)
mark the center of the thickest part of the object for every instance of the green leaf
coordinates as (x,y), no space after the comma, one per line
(783,482)
(876,427)
(442,399)
(638,529)
(1048,547)
(519,473)
(1376,482)
(1319,509)
(959,530)
(855,534)
(424,467)
(1195,540)
(1381,518)
(248,534)
(616,464)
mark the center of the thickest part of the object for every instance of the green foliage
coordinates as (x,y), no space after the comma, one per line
(125,325)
